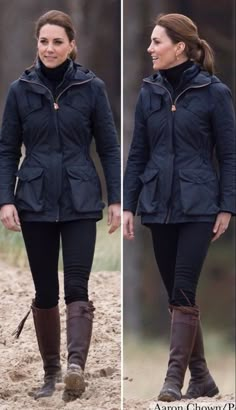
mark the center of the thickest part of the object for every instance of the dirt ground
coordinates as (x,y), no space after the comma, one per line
(20,363)
(226,402)
(21,366)
(144,373)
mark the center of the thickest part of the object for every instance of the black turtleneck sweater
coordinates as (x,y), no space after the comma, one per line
(174,74)
(52,77)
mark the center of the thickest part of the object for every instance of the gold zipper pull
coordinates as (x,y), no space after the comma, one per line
(173,108)
(56,106)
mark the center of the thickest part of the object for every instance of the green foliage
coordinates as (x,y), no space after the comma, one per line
(107,251)
(12,247)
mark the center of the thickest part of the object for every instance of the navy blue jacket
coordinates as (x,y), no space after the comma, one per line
(171,175)
(57,180)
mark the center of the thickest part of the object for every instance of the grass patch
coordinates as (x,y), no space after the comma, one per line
(107,251)
(215,343)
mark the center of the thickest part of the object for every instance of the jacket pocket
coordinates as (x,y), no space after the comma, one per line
(199,192)
(85,189)
(30,189)
(148,199)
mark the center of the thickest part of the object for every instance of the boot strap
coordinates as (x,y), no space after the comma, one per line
(19,328)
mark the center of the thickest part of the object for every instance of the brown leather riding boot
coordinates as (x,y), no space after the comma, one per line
(79,331)
(183,332)
(47,327)
(201,383)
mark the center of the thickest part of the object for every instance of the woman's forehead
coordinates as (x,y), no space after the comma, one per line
(49,30)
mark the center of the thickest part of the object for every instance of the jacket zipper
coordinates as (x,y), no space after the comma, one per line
(173,109)
(173,103)
(55,102)
(56,107)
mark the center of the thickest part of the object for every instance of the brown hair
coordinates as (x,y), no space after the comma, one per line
(59,19)
(181,28)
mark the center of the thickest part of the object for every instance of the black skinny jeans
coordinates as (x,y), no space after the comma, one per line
(180,250)
(42,241)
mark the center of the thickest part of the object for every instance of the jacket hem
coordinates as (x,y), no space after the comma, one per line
(149,219)
(32,217)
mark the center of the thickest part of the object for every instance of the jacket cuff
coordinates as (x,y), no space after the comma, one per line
(228,206)
(6,199)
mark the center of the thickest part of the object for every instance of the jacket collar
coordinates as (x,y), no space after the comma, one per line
(193,76)
(75,73)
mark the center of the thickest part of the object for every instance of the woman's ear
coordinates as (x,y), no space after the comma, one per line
(180,48)
(72,44)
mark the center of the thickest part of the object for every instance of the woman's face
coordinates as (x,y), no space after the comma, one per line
(163,51)
(54,45)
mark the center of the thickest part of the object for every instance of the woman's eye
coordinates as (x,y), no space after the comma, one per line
(58,42)
(156,42)
(43,41)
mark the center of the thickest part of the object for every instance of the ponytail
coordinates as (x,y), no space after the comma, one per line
(206,58)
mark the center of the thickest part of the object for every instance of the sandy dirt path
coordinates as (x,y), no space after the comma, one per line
(20,363)
(145,369)
(226,402)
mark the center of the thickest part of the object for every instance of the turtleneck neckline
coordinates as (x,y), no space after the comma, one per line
(54,74)
(174,74)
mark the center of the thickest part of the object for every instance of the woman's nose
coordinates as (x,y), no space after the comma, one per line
(149,49)
(50,47)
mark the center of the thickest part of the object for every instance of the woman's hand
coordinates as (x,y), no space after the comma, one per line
(128,223)
(113,217)
(9,217)
(221,224)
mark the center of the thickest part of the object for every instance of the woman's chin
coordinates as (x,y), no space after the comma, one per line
(156,66)
(50,65)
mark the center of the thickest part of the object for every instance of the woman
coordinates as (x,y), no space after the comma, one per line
(54,109)
(182,113)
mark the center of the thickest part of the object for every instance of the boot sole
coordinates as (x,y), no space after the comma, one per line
(74,382)
(42,394)
(168,396)
(211,393)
